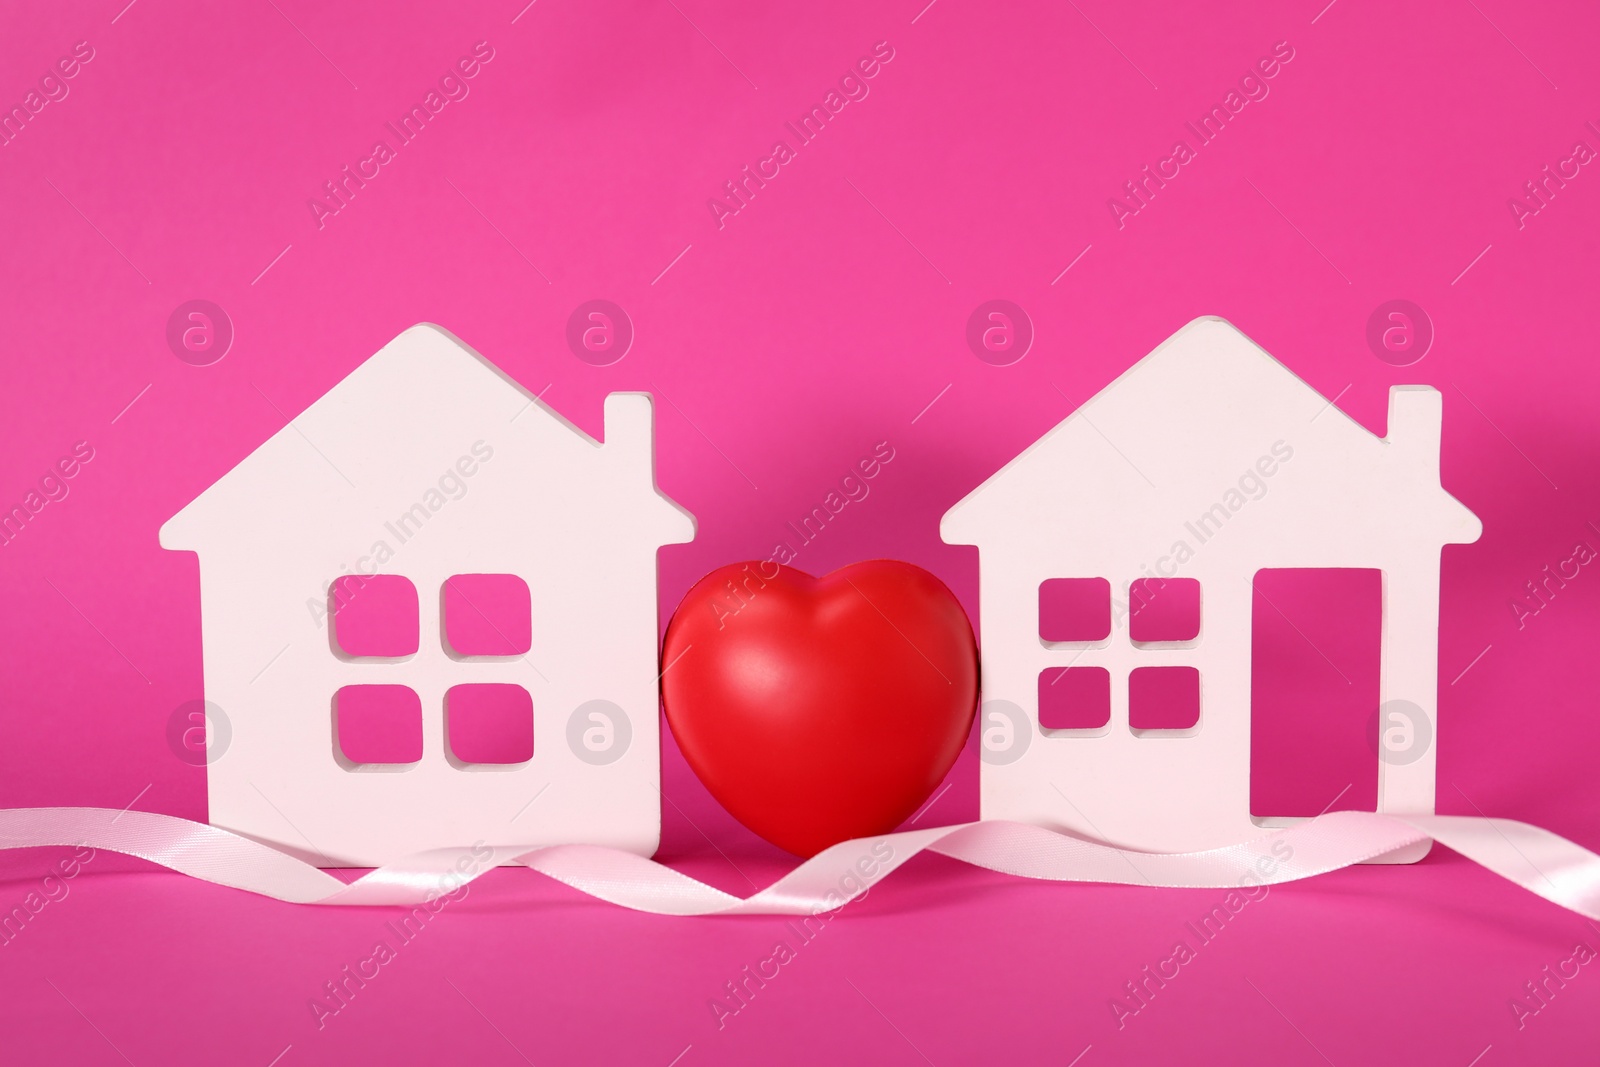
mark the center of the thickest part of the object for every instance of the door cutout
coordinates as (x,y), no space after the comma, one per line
(1315,651)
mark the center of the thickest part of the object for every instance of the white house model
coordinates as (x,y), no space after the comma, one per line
(1205,462)
(425,464)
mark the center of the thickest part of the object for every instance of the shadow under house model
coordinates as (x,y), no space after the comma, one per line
(1150,477)
(423,464)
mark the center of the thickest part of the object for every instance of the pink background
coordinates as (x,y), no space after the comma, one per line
(821,319)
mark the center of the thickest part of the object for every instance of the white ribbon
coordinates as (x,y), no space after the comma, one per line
(1536,859)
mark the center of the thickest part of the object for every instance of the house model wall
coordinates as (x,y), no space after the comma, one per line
(426,462)
(1149,478)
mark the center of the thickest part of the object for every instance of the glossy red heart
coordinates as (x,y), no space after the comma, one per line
(820,709)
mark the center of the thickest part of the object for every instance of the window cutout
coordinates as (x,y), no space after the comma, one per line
(374,615)
(1074,698)
(488,615)
(1163,699)
(1163,610)
(1075,610)
(378,724)
(489,723)
(1314,658)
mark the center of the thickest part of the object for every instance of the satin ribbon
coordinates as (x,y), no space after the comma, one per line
(1538,860)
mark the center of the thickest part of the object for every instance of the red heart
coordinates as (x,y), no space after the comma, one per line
(820,709)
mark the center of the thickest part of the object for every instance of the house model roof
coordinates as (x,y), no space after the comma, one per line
(1180,428)
(388,428)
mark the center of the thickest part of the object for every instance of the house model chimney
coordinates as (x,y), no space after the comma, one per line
(1416,414)
(630,434)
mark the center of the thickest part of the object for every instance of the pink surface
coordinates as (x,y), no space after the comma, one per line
(570,160)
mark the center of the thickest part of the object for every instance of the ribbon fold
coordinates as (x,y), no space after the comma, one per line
(1535,859)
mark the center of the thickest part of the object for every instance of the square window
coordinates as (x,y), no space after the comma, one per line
(1163,698)
(1074,698)
(1163,610)
(488,615)
(1074,609)
(489,723)
(378,724)
(374,615)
